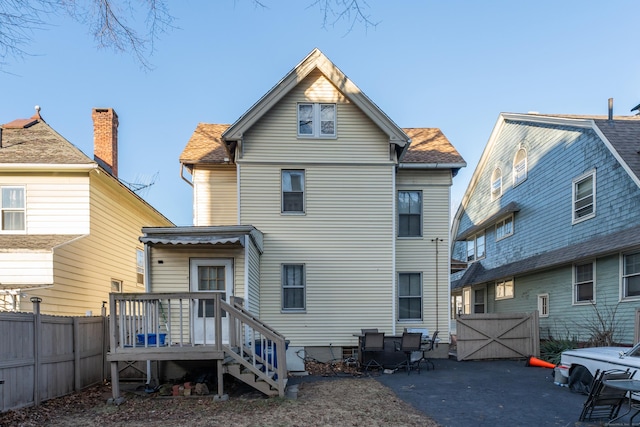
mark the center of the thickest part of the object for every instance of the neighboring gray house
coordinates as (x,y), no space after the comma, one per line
(550,222)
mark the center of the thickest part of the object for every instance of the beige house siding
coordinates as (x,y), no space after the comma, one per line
(345,241)
(252,290)
(274,137)
(170,273)
(26,268)
(84,268)
(419,254)
(215,196)
(56,203)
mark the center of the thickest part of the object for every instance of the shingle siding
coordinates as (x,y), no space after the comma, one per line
(557,155)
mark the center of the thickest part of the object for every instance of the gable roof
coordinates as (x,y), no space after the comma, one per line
(24,141)
(621,135)
(316,60)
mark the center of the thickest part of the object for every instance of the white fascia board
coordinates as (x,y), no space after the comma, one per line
(316,59)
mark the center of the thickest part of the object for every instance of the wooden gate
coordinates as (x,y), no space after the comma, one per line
(498,336)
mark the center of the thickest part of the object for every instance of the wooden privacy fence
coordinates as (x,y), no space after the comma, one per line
(498,336)
(42,357)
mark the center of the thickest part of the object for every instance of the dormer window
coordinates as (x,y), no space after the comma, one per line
(496,184)
(316,120)
(520,167)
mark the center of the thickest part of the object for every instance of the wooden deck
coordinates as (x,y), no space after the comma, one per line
(196,326)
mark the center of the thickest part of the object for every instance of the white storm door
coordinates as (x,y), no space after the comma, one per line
(210,275)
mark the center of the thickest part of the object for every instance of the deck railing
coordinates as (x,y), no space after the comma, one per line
(193,326)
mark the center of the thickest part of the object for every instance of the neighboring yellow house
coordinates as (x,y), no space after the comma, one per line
(320,212)
(70,229)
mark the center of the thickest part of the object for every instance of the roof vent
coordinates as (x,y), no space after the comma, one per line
(610,109)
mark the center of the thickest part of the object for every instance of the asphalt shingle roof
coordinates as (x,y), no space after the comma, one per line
(34,141)
(428,145)
(33,242)
(206,145)
(596,247)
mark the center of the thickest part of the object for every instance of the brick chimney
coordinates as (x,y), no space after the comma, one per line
(105,139)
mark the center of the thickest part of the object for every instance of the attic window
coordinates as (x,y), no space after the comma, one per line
(316,120)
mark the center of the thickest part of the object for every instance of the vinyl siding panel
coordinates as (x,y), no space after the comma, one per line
(274,137)
(215,196)
(55,203)
(26,268)
(172,275)
(345,241)
(419,254)
(83,269)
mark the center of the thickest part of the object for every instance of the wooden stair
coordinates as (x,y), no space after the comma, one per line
(252,374)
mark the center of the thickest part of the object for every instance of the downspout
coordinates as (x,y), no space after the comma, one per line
(393,251)
(182,175)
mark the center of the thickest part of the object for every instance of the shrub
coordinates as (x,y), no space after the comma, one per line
(550,350)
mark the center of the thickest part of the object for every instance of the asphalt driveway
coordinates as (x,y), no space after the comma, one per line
(485,393)
(488,393)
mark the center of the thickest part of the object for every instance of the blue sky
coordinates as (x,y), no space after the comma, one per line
(454,65)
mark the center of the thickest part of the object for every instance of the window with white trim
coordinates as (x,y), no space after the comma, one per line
(496,184)
(409,296)
(409,213)
(631,275)
(479,301)
(520,167)
(504,228)
(583,283)
(476,247)
(584,197)
(504,289)
(316,120)
(543,305)
(13,209)
(293,191)
(293,287)
(139,266)
(116,285)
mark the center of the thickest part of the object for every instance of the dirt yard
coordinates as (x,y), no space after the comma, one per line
(336,402)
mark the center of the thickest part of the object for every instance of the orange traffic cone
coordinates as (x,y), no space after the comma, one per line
(533,361)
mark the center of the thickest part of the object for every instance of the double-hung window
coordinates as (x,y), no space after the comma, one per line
(476,247)
(293,287)
(496,184)
(317,120)
(520,167)
(139,266)
(504,228)
(504,289)
(409,213)
(293,191)
(584,197)
(13,209)
(583,284)
(631,275)
(543,305)
(409,296)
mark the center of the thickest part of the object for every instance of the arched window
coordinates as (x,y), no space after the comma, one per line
(496,184)
(520,167)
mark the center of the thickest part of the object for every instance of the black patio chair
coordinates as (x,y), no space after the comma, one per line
(432,344)
(373,343)
(603,403)
(411,341)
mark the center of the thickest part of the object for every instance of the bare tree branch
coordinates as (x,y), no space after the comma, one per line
(354,12)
